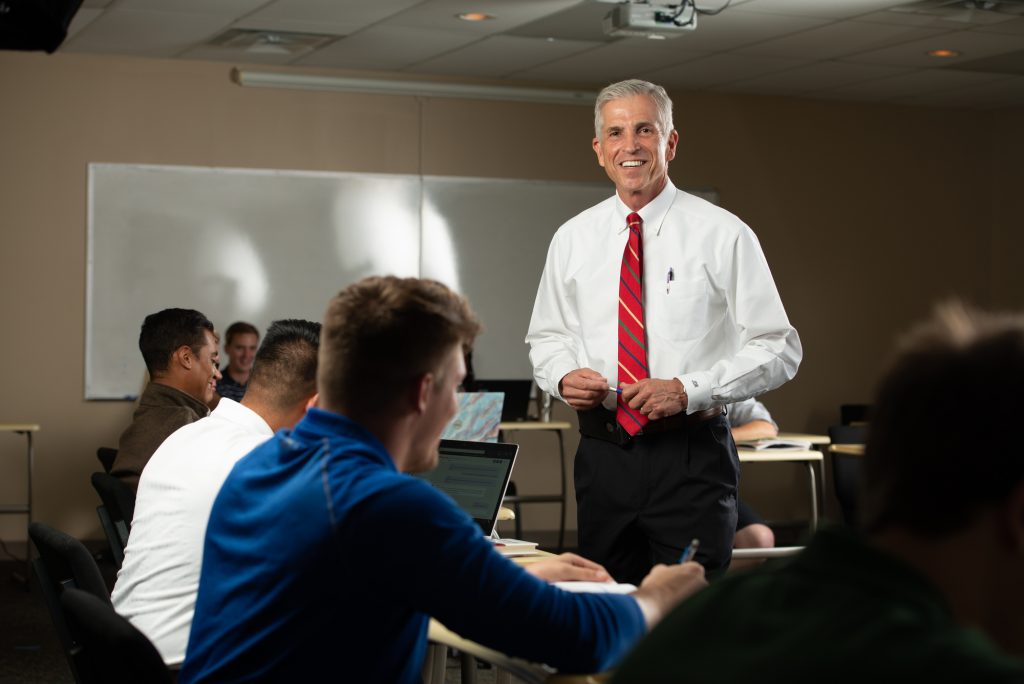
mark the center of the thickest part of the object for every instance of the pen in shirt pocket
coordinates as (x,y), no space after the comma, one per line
(669,277)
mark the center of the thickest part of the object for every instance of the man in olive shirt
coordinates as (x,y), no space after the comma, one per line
(930,589)
(179,347)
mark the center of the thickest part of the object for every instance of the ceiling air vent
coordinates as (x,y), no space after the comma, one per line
(270,42)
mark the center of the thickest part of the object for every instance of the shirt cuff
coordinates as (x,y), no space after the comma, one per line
(698,391)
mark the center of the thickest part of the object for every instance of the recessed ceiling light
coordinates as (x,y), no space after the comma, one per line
(474,16)
(943,53)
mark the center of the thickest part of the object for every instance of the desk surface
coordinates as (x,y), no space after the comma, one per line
(813,439)
(771,456)
(19,427)
(536,425)
(848,449)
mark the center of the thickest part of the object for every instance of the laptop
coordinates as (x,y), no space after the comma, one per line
(477,417)
(476,475)
(517,397)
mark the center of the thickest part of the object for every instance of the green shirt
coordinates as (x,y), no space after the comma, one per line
(841,611)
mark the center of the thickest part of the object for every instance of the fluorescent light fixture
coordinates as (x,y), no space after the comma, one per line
(269,79)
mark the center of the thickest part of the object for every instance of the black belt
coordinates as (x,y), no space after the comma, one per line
(600,423)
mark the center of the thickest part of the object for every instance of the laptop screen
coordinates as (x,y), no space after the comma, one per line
(476,475)
(517,396)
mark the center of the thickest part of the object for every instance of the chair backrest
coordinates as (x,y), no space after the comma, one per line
(846,469)
(117,497)
(854,414)
(116,534)
(111,647)
(106,456)
(65,562)
(116,513)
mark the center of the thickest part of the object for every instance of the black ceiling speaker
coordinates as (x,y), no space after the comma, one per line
(35,24)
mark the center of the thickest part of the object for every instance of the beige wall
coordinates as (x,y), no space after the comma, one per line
(867,214)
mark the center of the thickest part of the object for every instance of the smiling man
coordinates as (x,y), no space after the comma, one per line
(654,310)
(179,347)
(240,342)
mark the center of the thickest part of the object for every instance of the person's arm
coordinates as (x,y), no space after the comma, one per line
(568,567)
(755,429)
(770,350)
(750,420)
(554,340)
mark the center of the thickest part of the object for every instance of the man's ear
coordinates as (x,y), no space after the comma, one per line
(425,388)
(184,357)
(313,401)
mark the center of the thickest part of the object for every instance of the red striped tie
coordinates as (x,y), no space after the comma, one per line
(632,337)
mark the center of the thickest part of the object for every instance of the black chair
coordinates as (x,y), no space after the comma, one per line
(106,456)
(116,513)
(65,562)
(113,650)
(854,414)
(846,469)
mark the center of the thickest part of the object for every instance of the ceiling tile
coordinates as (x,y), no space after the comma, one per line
(83,17)
(825,9)
(1013,27)
(499,56)
(387,48)
(222,8)
(970,44)
(730,30)
(813,77)
(616,61)
(441,14)
(340,17)
(838,40)
(582,21)
(144,33)
(720,69)
(1002,93)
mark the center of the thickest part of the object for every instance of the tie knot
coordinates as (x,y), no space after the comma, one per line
(634,222)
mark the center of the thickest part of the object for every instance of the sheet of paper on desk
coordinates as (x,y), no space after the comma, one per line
(775,445)
(597,587)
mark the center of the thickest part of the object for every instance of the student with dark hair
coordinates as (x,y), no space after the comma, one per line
(931,589)
(156,586)
(240,342)
(324,560)
(179,347)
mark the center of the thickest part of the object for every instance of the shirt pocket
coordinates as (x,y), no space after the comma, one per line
(684,310)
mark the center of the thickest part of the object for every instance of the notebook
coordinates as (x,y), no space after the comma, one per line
(476,475)
(477,417)
(517,397)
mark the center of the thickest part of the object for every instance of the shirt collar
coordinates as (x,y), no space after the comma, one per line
(318,425)
(653,213)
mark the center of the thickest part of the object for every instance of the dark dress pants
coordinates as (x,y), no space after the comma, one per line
(641,503)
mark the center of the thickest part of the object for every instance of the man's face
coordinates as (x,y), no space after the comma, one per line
(241,352)
(204,373)
(441,406)
(633,150)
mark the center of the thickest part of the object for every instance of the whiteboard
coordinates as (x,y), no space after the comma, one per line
(259,245)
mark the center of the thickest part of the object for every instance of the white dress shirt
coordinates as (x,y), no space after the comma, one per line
(714,318)
(157,584)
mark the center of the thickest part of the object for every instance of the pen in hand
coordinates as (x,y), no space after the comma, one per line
(690,551)
(617,390)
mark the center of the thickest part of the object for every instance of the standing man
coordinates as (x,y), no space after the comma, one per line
(179,347)
(240,342)
(655,308)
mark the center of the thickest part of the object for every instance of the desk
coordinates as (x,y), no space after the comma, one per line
(847,449)
(807,458)
(23,508)
(556,427)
